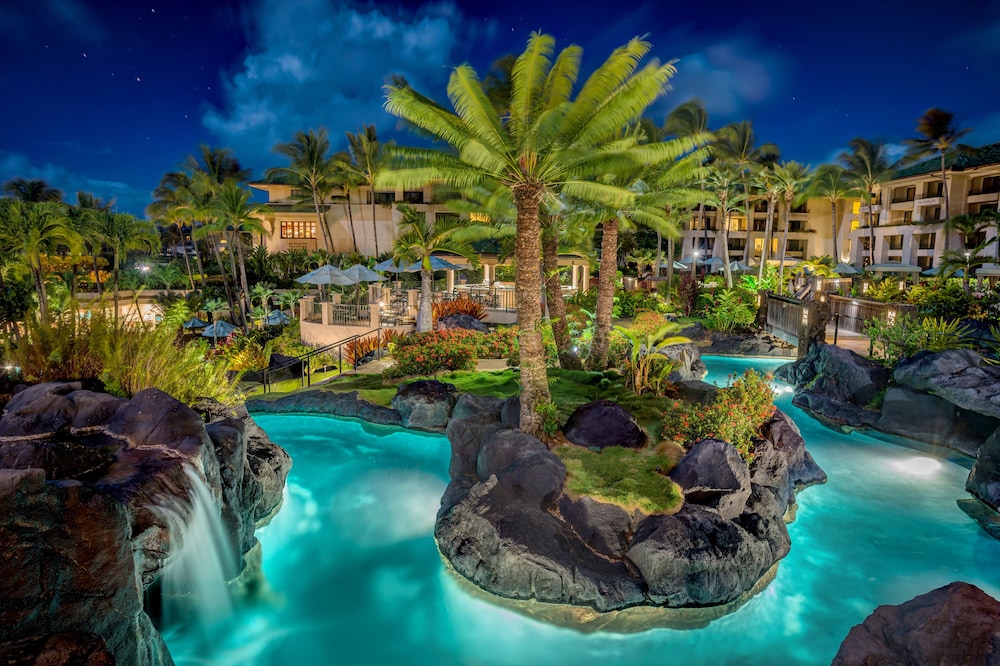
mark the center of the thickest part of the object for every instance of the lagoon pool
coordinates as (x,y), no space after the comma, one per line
(355,575)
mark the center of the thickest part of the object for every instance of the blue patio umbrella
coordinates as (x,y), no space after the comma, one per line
(276,318)
(219,329)
(437,264)
(359,273)
(389,266)
(937,270)
(325,275)
(194,322)
(845,269)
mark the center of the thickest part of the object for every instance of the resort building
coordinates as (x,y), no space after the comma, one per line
(810,232)
(909,210)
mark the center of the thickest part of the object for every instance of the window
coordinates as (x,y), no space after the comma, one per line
(804,208)
(449,217)
(895,242)
(907,216)
(934,213)
(298,193)
(911,193)
(991,184)
(413,197)
(796,225)
(385,198)
(760,225)
(866,242)
(934,189)
(925,262)
(737,244)
(795,245)
(926,241)
(298,229)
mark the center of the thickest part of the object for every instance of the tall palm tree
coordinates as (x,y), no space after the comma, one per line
(549,142)
(968,261)
(765,181)
(939,135)
(737,144)
(723,193)
(832,182)
(991,216)
(689,119)
(868,165)
(123,233)
(368,158)
(30,229)
(968,225)
(82,219)
(35,190)
(313,170)
(237,216)
(347,180)
(793,178)
(418,241)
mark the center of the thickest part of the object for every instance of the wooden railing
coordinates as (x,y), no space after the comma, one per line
(854,312)
(797,322)
(300,367)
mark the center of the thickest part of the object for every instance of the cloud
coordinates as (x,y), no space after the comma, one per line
(130,199)
(25,21)
(729,76)
(323,63)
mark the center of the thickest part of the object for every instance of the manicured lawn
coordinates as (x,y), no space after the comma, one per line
(621,476)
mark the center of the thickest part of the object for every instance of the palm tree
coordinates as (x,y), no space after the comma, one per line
(34,190)
(991,216)
(549,142)
(687,120)
(312,169)
(418,242)
(237,216)
(940,135)
(211,307)
(766,182)
(832,182)
(368,158)
(968,225)
(29,230)
(737,145)
(122,233)
(346,179)
(722,183)
(868,165)
(176,203)
(793,177)
(967,260)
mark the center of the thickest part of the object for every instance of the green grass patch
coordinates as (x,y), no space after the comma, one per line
(621,476)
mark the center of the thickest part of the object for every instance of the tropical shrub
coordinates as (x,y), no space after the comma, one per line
(941,298)
(906,335)
(732,310)
(942,334)
(687,293)
(585,300)
(452,349)
(645,368)
(463,305)
(735,416)
(548,342)
(647,322)
(885,291)
(357,349)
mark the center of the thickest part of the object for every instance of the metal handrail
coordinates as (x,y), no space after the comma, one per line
(303,361)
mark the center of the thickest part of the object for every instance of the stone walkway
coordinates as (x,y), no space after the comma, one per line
(856,342)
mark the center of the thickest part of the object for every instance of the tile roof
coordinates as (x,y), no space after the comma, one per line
(988,154)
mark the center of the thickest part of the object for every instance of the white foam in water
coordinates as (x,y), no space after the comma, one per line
(196,595)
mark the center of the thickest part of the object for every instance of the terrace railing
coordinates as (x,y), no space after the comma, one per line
(301,367)
(854,312)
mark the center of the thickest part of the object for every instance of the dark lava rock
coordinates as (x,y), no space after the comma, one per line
(954,624)
(834,412)
(425,404)
(986,516)
(714,474)
(984,479)
(473,405)
(320,401)
(922,369)
(758,344)
(687,362)
(81,477)
(65,649)
(510,412)
(928,418)
(955,376)
(696,391)
(604,423)
(508,525)
(463,321)
(836,373)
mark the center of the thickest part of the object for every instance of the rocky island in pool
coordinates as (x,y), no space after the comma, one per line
(508,524)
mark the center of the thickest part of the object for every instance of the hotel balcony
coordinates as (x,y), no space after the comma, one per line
(929,201)
(988,195)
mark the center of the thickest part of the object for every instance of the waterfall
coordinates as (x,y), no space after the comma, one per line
(196,597)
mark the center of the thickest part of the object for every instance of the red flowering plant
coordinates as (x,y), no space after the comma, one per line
(735,416)
(447,350)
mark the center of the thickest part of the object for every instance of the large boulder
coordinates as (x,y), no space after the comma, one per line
(984,479)
(604,423)
(928,418)
(758,344)
(508,524)
(463,321)
(72,648)
(687,362)
(954,624)
(425,404)
(714,474)
(920,371)
(837,373)
(955,376)
(89,484)
(322,401)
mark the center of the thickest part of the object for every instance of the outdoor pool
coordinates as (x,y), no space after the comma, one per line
(355,575)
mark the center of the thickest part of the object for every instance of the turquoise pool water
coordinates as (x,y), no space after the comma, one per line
(356,578)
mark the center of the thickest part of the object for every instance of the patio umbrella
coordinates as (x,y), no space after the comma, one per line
(276,318)
(359,273)
(845,269)
(437,264)
(194,322)
(219,329)
(678,266)
(715,263)
(738,266)
(937,270)
(325,275)
(687,261)
(893,267)
(389,266)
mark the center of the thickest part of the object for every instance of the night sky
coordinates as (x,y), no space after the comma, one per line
(107,96)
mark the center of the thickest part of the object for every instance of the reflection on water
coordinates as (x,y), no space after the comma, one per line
(355,576)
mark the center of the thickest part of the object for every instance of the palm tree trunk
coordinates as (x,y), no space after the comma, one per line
(784,245)
(659,254)
(833,223)
(568,360)
(97,272)
(374,224)
(768,232)
(944,193)
(187,262)
(670,266)
(727,270)
(598,359)
(225,279)
(749,218)
(115,279)
(243,276)
(425,320)
(527,285)
(43,305)
(350,220)
(327,243)
(236,296)
(197,258)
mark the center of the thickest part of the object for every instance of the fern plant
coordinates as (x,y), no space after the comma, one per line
(645,366)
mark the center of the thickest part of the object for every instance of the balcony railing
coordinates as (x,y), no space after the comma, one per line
(993,189)
(904,199)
